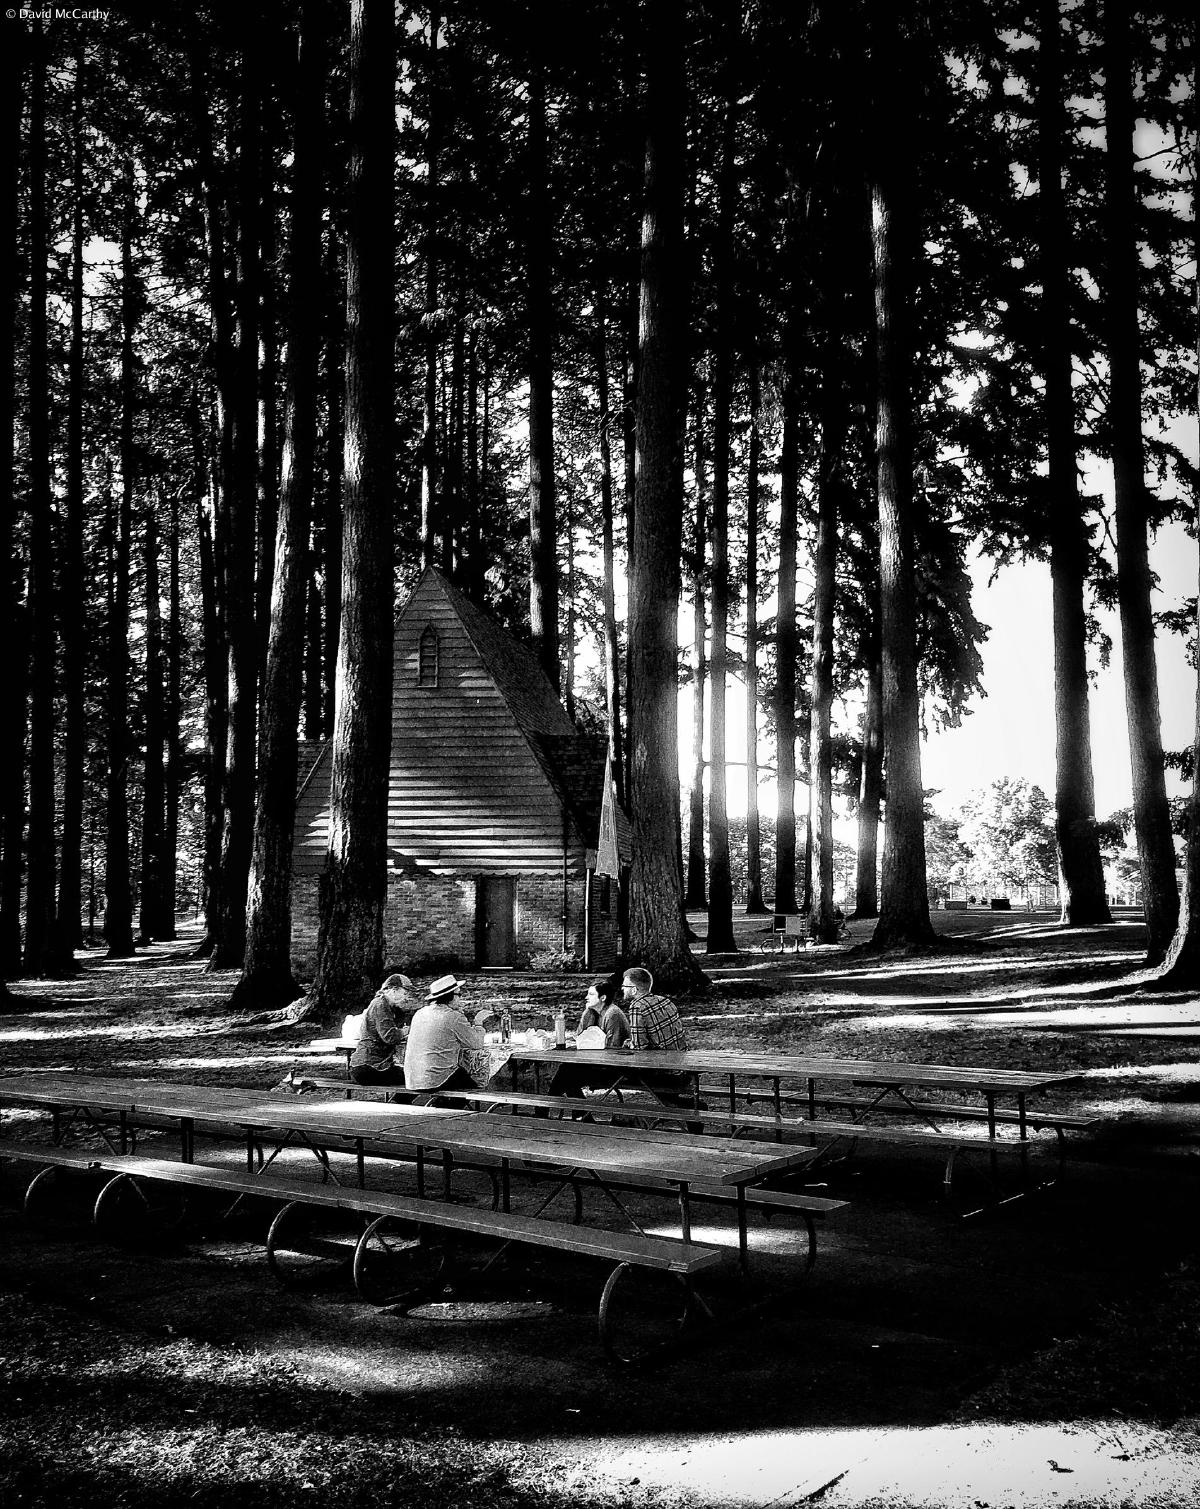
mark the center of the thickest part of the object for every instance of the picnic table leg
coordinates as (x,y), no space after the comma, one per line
(685,1211)
(504,1185)
(733,1094)
(743,1242)
(447,1173)
(420,1172)
(187,1138)
(812,1099)
(361,1161)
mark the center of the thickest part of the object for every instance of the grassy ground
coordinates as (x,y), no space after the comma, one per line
(1050,1354)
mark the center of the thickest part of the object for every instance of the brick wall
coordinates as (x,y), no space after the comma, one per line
(430,919)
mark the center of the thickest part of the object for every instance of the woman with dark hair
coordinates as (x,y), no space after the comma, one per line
(602,1009)
(602,996)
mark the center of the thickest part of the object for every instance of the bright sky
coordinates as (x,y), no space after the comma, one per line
(1010,732)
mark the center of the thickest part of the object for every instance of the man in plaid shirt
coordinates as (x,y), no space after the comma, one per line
(654,1023)
(653,1020)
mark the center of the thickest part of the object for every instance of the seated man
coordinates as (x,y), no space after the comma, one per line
(654,1024)
(438,1034)
(383,1030)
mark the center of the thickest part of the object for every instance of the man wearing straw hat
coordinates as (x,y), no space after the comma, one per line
(438,1035)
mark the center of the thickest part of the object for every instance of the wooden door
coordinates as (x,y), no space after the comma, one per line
(495,920)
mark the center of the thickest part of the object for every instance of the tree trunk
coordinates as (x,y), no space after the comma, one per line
(118,897)
(354,883)
(68,929)
(696,895)
(241,498)
(39,882)
(267,513)
(612,648)
(173,774)
(786,654)
(658,936)
(13,724)
(1083,899)
(822,924)
(720,938)
(210,555)
(1152,816)
(539,312)
(154,723)
(866,871)
(1181,967)
(429,438)
(755,903)
(334,447)
(904,914)
(267,977)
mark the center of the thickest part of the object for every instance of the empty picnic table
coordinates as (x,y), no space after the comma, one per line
(612,1158)
(838,1102)
(890,1084)
(592,1153)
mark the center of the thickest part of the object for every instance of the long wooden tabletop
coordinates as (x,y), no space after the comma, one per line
(600,1148)
(801,1066)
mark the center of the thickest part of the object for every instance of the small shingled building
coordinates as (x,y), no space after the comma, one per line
(502,818)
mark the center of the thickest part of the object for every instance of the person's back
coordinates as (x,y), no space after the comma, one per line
(438,1033)
(653,1020)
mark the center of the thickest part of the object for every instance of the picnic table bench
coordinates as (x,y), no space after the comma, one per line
(290,1242)
(572,1153)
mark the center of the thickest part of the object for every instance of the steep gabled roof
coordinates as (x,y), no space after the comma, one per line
(573,762)
(523,683)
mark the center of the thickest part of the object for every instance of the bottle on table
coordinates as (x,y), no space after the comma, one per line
(560,1029)
(505,1025)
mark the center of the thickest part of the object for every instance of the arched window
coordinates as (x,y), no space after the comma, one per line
(427,663)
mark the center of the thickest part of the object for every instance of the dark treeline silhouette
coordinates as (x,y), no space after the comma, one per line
(774,312)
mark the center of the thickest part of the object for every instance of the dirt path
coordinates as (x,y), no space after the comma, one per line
(1048,1355)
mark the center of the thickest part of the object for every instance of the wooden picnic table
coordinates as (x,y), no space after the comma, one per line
(890,1085)
(579,1151)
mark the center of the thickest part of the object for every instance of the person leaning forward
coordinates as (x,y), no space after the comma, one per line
(384,1028)
(438,1034)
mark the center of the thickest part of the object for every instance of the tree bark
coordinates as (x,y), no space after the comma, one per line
(1152,816)
(1083,898)
(210,555)
(866,872)
(68,928)
(241,498)
(755,903)
(354,883)
(612,648)
(332,510)
(173,772)
(539,309)
(39,880)
(696,895)
(658,936)
(786,653)
(13,725)
(1181,967)
(429,438)
(720,939)
(904,913)
(118,895)
(154,792)
(267,976)
(822,923)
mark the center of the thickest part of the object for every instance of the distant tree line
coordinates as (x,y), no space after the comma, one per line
(774,310)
